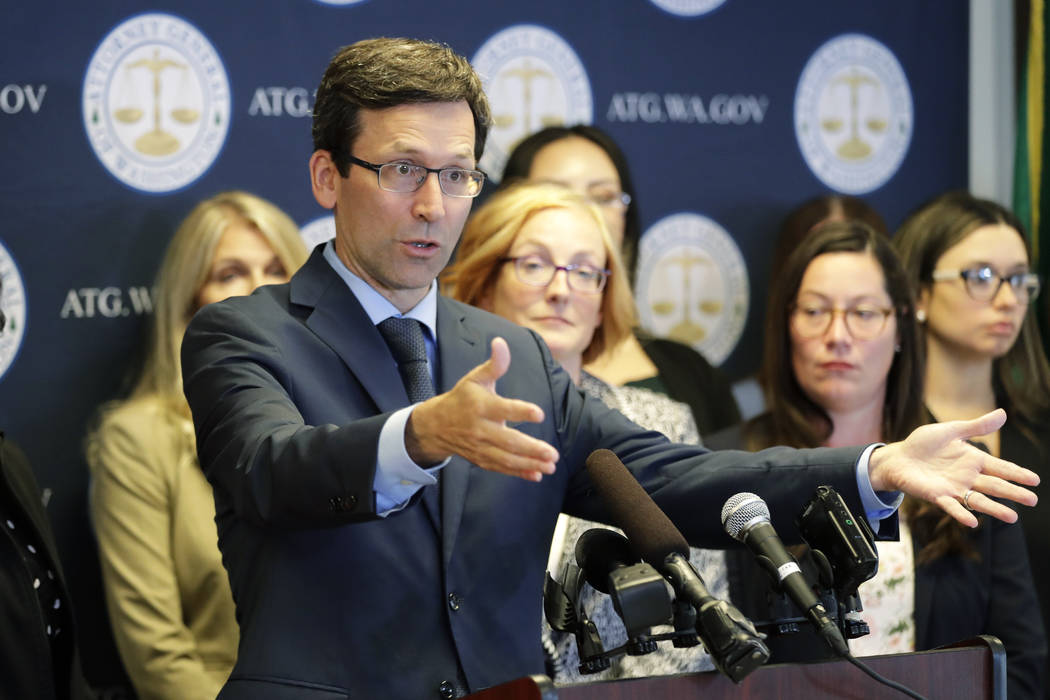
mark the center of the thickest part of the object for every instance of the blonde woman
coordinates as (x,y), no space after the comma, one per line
(540,255)
(167,593)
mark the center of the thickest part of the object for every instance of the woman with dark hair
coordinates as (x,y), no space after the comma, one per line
(843,366)
(799,223)
(588,161)
(970,263)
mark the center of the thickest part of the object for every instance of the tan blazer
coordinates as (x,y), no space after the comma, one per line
(166,589)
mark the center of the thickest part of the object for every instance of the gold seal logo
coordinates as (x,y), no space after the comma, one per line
(533,79)
(692,284)
(156,103)
(853,114)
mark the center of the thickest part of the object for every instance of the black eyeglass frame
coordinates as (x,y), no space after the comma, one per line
(1027,278)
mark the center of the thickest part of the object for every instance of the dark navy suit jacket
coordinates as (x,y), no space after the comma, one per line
(289,389)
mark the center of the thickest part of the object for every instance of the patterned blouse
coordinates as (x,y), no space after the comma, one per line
(889,600)
(653,411)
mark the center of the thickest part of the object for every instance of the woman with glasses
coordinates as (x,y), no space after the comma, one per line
(969,261)
(587,160)
(843,366)
(539,254)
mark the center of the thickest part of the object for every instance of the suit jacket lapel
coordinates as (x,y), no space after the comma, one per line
(340,321)
(460,349)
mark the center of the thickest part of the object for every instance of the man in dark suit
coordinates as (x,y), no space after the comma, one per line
(386,546)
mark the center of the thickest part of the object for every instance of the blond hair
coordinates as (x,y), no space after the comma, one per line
(490,233)
(185,269)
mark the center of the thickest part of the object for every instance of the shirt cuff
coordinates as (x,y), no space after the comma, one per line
(877,505)
(397,476)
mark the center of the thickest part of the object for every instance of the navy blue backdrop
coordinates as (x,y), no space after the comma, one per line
(117,118)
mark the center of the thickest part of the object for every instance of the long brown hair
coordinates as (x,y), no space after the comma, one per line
(1022,374)
(793,418)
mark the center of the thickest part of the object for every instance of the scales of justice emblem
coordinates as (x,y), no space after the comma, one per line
(685,328)
(157,141)
(693,284)
(533,79)
(854,147)
(853,114)
(156,102)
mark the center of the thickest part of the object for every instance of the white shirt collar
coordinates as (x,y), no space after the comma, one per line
(377,306)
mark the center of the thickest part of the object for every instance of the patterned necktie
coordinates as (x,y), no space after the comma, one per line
(405,338)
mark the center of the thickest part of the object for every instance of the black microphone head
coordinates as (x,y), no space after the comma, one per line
(742,512)
(599,551)
(650,531)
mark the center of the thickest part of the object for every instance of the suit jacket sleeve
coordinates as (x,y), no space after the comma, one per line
(251,438)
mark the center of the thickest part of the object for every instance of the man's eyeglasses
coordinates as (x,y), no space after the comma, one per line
(537,271)
(983,282)
(863,321)
(409,177)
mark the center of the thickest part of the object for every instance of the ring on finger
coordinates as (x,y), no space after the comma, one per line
(966,500)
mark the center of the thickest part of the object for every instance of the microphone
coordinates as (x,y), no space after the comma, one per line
(732,641)
(745,517)
(639,594)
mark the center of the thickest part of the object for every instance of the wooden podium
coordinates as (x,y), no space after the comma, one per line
(974,669)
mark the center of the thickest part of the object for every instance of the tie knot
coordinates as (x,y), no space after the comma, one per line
(405,338)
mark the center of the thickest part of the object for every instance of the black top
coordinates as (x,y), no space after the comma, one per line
(38,657)
(1028,444)
(687,376)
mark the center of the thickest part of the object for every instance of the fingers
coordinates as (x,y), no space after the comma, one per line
(988,423)
(955,509)
(495,367)
(1007,470)
(980,503)
(994,486)
(516,411)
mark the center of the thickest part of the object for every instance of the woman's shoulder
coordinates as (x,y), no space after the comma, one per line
(148,424)
(151,412)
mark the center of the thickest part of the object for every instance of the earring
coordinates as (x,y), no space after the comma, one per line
(897,347)
(920,316)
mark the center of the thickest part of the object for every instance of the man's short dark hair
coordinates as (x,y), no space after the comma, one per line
(384,72)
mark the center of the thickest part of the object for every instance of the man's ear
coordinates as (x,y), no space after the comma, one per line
(324,178)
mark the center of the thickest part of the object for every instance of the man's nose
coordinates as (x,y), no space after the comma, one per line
(429,202)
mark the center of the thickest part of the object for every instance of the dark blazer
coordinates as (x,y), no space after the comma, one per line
(1025,441)
(27,667)
(289,389)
